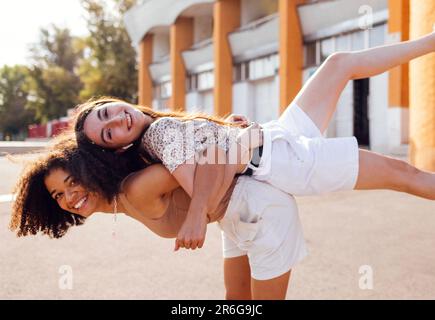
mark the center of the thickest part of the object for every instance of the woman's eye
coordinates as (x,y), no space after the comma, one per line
(109,134)
(58,196)
(106,114)
(72,183)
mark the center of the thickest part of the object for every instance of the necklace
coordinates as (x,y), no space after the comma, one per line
(115,211)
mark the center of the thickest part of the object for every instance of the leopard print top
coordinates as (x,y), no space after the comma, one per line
(173,141)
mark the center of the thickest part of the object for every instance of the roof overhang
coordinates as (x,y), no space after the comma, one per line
(142,18)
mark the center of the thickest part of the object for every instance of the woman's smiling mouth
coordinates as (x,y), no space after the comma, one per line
(80,203)
(129,121)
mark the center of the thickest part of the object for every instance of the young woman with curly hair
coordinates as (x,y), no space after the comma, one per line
(35,211)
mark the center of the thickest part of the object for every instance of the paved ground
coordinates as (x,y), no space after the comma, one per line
(391,232)
(20,147)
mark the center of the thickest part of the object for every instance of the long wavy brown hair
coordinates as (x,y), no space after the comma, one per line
(82,111)
(35,211)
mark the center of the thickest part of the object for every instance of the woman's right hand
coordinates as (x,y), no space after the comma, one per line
(251,137)
(242,120)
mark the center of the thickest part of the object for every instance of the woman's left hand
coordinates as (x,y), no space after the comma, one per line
(239,119)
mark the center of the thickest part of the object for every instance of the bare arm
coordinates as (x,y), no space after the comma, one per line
(213,176)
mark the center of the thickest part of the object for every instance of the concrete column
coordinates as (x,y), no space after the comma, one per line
(398,29)
(291,52)
(226,15)
(422,90)
(181,38)
(145,81)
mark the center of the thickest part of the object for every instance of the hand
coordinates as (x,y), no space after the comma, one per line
(251,137)
(239,119)
(192,232)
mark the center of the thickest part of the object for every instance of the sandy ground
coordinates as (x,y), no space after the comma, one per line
(393,233)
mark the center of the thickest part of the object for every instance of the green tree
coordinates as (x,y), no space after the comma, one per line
(55,85)
(14,116)
(109,66)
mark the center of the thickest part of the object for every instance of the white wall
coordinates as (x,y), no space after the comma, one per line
(379,116)
(265,104)
(242,99)
(193,101)
(160,45)
(202,28)
(200,101)
(255,9)
(207,101)
(344,113)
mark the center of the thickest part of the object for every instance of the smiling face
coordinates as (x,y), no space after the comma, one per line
(71,196)
(115,125)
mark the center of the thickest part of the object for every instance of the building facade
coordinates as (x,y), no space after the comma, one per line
(251,57)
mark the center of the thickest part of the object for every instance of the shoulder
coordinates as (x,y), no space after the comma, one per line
(166,122)
(163,129)
(156,179)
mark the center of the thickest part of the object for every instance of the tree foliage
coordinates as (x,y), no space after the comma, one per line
(55,84)
(65,70)
(109,66)
(14,116)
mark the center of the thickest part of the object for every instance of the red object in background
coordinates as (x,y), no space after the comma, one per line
(37,131)
(58,126)
(52,129)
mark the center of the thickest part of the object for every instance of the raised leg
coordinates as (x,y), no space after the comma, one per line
(273,289)
(237,278)
(319,96)
(377,171)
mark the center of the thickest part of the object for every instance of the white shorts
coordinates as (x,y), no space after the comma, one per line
(263,223)
(303,162)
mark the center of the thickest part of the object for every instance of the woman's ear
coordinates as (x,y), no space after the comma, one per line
(123,149)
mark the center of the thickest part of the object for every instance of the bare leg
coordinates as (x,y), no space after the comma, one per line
(381,172)
(273,289)
(237,277)
(319,96)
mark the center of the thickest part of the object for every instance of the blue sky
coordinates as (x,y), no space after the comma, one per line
(20,21)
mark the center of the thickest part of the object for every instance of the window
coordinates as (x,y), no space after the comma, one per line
(263,67)
(200,81)
(163,90)
(310,54)
(327,47)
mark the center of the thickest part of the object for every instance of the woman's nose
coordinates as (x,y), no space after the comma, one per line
(116,120)
(70,197)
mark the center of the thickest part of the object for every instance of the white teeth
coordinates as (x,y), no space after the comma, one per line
(80,203)
(128,121)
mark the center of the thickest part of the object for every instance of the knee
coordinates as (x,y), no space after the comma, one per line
(341,63)
(405,173)
(340,59)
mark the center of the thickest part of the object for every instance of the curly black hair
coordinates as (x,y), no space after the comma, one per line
(34,210)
